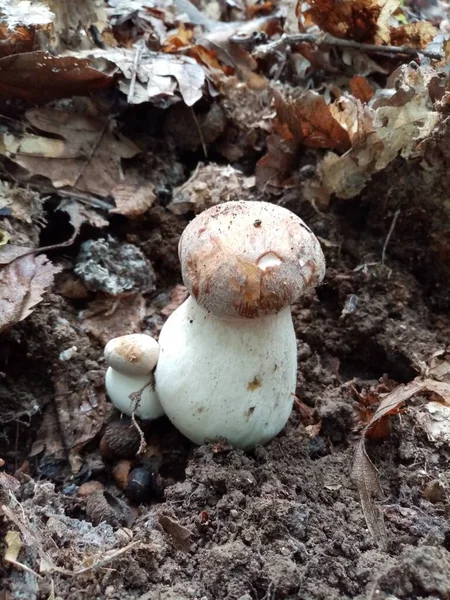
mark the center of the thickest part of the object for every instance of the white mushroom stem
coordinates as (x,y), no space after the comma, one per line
(132,360)
(227,378)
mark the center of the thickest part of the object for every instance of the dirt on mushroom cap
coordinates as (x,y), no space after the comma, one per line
(249,259)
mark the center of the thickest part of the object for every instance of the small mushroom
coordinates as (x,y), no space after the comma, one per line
(228,355)
(131,362)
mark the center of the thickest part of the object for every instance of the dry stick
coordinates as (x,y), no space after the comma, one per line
(389,235)
(329,40)
(134,70)
(135,397)
(200,133)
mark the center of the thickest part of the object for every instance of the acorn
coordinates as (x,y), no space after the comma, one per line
(142,485)
(120,440)
(120,473)
(90,487)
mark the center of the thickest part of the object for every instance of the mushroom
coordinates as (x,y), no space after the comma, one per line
(131,363)
(228,355)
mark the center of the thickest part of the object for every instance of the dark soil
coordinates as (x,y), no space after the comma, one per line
(282,522)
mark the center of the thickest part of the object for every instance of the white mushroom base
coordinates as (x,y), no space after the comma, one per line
(227,378)
(119,387)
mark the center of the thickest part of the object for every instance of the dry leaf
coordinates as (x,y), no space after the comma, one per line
(366,477)
(13,546)
(360,88)
(86,154)
(434,418)
(133,199)
(22,285)
(78,415)
(152,75)
(364,472)
(180,535)
(208,186)
(414,35)
(360,20)
(309,121)
(40,77)
(106,319)
(398,126)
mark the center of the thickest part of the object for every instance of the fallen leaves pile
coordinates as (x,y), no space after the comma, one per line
(323,97)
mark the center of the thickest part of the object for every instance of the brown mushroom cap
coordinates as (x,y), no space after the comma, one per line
(249,259)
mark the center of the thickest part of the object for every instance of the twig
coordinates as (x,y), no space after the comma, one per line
(328,40)
(106,559)
(135,397)
(20,565)
(389,235)
(134,69)
(200,133)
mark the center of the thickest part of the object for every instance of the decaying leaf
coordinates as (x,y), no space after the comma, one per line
(415,35)
(23,282)
(40,77)
(366,477)
(437,383)
(13,546)
(360,88)
(152,75)
(209,185)
(179,535)
(74,419)
(86,154)
(360,20)
(133,199)
(105,319)
(309,121)
(397,127)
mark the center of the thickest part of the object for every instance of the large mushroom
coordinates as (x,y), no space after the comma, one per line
(228,355)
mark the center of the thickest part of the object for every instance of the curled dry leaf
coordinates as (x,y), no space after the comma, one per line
(209,185)
(152,75)
(381,134)
(23,282)
(86,154)
(40,77)
(309,121)
(414,35)
(361,20)
(361,89)
(364,473)
(133,199)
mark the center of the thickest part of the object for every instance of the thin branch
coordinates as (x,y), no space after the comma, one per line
(328,40)
(200,133)
(389,235)
(134,70)
(135,398)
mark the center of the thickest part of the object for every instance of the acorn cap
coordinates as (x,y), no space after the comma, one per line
(249,259)
(134,354)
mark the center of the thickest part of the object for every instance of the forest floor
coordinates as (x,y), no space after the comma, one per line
(284,521)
